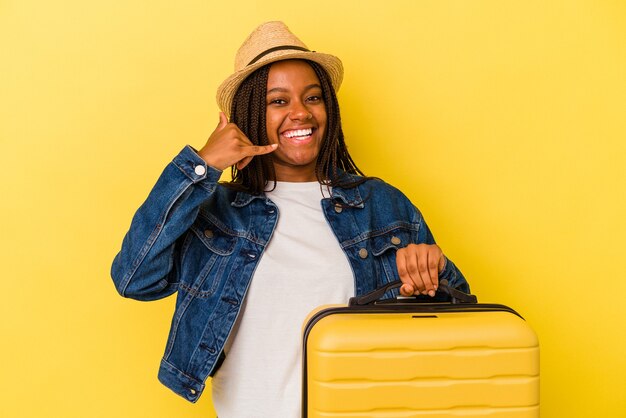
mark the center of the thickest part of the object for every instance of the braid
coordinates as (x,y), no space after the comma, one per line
(334,154)
(248,113)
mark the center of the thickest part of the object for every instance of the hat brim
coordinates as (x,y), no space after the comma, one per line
(226,91)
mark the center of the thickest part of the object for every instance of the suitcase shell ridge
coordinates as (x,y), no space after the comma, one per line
(421,360)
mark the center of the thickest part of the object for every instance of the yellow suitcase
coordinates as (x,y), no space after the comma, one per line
(400,358)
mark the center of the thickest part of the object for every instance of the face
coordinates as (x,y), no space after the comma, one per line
(295,119)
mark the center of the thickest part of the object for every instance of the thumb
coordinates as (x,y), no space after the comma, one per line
(223,121)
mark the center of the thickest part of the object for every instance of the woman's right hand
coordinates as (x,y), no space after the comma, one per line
(228,146)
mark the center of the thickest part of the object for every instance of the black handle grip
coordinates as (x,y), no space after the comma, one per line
(456,296)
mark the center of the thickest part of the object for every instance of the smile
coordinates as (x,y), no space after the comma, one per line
(298,133)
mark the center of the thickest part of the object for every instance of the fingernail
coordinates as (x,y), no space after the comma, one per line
(431,293)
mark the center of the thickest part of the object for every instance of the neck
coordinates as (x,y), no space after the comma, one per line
(298,174)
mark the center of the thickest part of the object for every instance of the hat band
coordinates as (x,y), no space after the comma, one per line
(277,48)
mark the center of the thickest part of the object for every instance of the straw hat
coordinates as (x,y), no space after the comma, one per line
(271,42)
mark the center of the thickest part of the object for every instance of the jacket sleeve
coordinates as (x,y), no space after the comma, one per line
(450,271)
(147,266)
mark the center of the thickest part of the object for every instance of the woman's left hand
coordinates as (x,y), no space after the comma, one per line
(419,266)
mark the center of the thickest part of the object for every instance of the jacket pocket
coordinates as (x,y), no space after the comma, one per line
(215,239)
(205,258)
(384,247)
(390,240)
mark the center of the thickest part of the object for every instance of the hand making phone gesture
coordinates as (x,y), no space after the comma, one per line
(228,146)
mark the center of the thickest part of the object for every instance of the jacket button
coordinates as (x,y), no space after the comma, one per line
(208,233)
(395,240)
(199,170)
(192,391)
(338,208)
(363,253)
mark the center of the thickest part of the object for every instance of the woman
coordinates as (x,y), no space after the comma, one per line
(298,226)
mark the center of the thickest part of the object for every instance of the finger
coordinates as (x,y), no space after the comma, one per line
(423,269)
(433,270)
(412,266)
(223,121)
(253,150)
(407,288)
(442,262)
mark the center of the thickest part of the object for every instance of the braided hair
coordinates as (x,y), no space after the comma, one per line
(248,113)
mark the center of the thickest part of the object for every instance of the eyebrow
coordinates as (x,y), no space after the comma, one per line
(284,90)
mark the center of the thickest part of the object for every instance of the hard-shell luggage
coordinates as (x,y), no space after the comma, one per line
(403,358)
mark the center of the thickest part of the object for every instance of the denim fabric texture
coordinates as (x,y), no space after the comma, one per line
(203,240)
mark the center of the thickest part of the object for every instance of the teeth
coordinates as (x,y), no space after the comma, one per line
(298,132)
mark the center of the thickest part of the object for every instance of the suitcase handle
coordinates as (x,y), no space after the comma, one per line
(456,296)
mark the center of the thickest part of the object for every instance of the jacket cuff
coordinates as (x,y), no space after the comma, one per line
(195,168)
(179,382)
(454,277)
(448,271)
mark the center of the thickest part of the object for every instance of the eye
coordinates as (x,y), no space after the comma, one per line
(314,99)
(277,102)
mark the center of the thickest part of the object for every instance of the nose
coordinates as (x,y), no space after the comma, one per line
(299,111)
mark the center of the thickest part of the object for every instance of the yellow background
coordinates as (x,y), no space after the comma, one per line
(504,121)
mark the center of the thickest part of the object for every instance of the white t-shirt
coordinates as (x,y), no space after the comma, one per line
(302,267)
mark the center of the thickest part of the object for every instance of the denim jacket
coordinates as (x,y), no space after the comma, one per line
(204,240)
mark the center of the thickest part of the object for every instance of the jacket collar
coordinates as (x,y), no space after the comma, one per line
(243,199)
(350,196)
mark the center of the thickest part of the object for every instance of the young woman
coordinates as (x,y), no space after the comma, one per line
(298,226)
